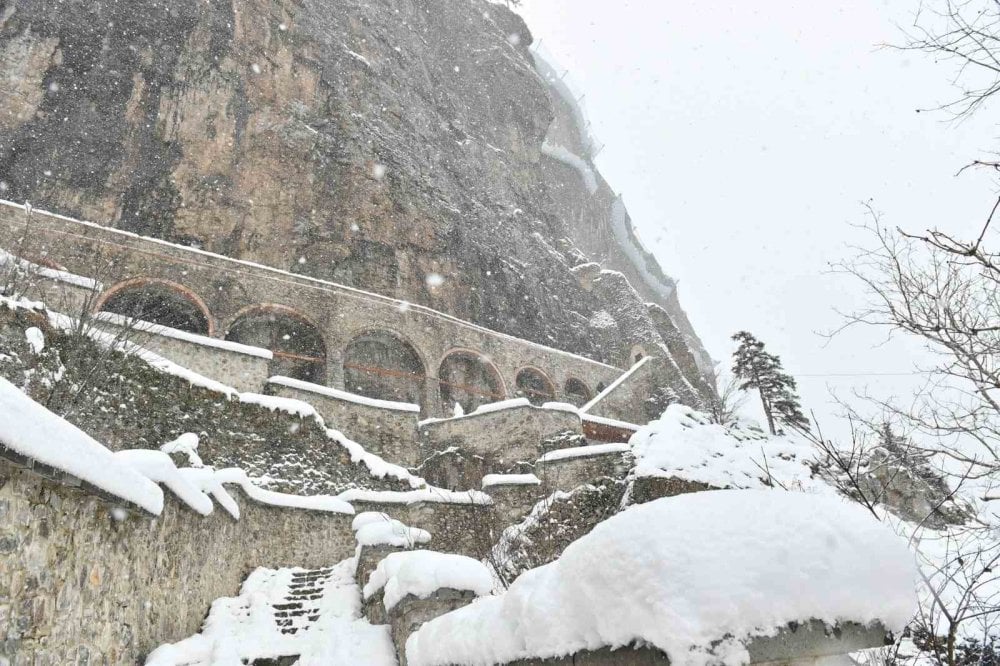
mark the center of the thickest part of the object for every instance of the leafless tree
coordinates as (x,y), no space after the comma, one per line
(964,34)
(725,405)
(945,291)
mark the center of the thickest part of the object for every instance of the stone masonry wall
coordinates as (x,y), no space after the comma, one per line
(78,586)
(569,473)
(244,372)
(389,433)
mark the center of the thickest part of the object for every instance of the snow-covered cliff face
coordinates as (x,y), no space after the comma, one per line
(373,143)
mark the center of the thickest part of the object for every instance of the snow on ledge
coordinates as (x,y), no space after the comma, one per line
(6,259)
(751,562)
(614,385)
(391,533)
(584,452)
(429,494)
(343,395)
(614,423)
(32,431)
(423,572)
(502,405)
(510,480)
(186,336)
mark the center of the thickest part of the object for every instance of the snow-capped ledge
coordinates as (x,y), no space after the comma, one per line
(343,395)
(491,480)
(584,452)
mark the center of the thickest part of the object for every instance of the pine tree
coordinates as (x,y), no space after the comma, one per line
(758,369)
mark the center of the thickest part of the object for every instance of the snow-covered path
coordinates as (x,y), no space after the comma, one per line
(314,614)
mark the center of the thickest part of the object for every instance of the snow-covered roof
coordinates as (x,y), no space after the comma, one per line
(423,572)
(696,576)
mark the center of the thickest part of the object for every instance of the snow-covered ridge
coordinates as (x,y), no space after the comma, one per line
(344,395)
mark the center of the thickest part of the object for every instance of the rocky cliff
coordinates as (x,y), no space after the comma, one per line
(370,142)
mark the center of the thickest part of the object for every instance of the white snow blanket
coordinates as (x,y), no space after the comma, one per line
(244,628)
(390,532)
(684,443)
(684,572)
(423,572)
(31,430)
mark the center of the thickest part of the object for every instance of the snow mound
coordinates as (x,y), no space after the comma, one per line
(367,518)
(684,443)
(423,572)
(750,562)
(32,431)
(391,533)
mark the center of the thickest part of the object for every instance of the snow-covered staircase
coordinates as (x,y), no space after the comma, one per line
(300,608)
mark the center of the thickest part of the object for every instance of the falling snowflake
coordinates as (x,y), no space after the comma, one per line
(378,171)
(403,306)
(282,27)
(434,280)
(54,87)
(513,39)
(302,260)
(256,68)
(355,227)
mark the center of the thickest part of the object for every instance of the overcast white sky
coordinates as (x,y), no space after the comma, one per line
(744,137)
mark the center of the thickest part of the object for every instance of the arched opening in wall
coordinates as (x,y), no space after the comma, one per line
(158,302)
(378,364)
(297,345)
(468,379)
(576,392)
(531,383)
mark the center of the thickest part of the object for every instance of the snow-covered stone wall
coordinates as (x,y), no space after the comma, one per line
(84,581)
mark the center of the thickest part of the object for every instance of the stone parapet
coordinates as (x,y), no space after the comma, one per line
(459,452)
(571,468)
(387,429)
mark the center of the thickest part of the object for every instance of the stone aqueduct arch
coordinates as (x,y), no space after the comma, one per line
(298,345)
(160,302)
(469,379)
(375,362)
(382,364)
(535,385)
